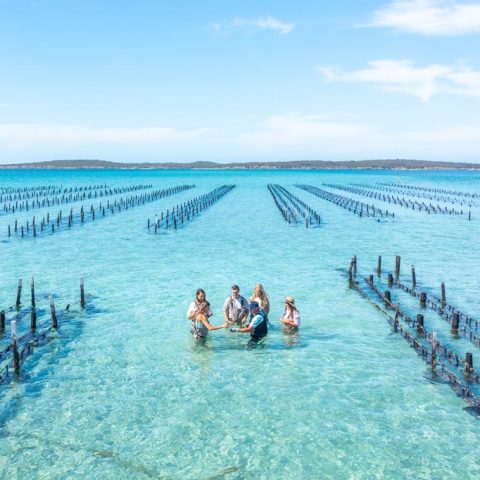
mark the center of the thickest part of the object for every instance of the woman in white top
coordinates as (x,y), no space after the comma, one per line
(260,296)
(198,313)
(291,316)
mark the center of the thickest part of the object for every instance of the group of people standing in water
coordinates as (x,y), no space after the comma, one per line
(240,315)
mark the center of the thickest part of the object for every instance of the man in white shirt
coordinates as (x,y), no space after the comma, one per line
(235,308)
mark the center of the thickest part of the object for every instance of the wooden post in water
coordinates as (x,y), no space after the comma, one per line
(354,264)
(2,320)
(52,312)
(370,279)
(33,320)
(420,323)
(423,299)
(387,298)
(390,279)
(434,350)
(19,294)
(468,363)
(397,267)
(379,265)
(16,356)
(395,320)
(455,322)
(82,293)
(444,297)
(32,291)
(414,278)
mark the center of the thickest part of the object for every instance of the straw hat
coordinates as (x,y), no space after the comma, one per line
(290,300)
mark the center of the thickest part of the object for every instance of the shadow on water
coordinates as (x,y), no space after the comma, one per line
(224,473)
(99,453)
(51,349)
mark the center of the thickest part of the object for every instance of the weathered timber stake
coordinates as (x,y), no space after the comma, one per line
(420,323)
(2,320)
(444,297)
(468,363)
(455,322)
(395,320)
(397,267)
(82,293)
(423,299)
(32,291)
(16,356)
(414,278)
(19,294)
(387,297)
(434,351)
(33,320)
(379,265)
(390,279)
(53,313)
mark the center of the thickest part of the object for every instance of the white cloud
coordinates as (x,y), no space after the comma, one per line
(297,130)
(256,23)
(25,135)
(429,17)
(403,76)
(300,136)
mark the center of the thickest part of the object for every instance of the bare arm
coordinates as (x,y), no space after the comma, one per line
(208,325)
(245,329)
(289,323)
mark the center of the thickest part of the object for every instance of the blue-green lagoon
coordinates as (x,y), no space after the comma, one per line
(122,391)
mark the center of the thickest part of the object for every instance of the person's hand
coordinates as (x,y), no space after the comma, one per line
(234,330)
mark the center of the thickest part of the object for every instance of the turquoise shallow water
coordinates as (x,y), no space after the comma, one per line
(123,391)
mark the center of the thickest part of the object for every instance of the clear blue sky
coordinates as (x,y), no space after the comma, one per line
(243,80)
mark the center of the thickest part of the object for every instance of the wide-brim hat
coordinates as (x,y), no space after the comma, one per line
(290,300)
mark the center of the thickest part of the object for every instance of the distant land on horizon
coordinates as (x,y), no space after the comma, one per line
(393,164)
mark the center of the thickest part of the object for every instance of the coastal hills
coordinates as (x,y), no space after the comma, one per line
(393,164)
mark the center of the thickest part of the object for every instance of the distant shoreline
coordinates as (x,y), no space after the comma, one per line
(306,165)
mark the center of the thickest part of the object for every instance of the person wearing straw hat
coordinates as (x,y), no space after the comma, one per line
(291,316)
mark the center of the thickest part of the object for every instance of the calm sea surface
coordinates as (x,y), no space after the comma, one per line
(123,392)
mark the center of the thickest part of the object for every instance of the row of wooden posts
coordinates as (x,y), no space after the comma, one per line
(292,208)
(438,350)
(396,200)
(418,323)
(45,202)
(354,206)
(27,193)
(187,211)
(15,340)
(417,193)
(51,224)
(430,189)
